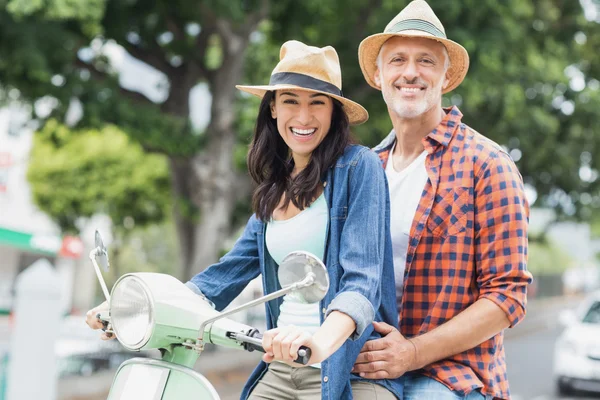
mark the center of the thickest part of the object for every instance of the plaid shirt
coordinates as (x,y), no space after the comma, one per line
(468,241)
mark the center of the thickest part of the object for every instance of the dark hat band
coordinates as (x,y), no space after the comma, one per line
(416,24)
(304,81)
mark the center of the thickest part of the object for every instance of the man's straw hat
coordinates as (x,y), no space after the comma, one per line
(416,20)
(313,69)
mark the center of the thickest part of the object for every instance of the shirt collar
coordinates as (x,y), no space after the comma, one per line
(444,132)
(441,135)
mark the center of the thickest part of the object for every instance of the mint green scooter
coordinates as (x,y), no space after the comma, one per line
(157,311)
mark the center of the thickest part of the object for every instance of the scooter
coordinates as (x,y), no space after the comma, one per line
(157,311)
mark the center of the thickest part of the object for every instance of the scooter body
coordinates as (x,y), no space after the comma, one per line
(157,311)
(172,326)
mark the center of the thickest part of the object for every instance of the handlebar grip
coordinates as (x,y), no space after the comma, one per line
(304,352)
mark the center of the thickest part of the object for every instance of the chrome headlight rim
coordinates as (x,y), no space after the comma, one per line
(150,299)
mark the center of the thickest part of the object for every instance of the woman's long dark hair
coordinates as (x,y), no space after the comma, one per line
(270,163)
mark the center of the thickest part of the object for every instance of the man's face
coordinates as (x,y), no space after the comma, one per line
(411,74)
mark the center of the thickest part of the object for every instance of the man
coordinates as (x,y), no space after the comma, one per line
(458,219)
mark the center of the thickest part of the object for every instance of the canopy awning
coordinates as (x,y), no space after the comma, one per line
(35,243)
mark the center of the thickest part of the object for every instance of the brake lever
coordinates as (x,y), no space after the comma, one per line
(104,319)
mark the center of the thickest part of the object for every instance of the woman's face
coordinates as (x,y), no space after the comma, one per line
(303,120)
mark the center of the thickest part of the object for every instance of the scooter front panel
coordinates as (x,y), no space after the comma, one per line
(150,379)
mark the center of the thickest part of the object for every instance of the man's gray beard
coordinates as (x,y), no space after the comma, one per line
(403,112)
(409,112)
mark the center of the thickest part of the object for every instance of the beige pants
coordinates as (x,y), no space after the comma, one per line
(284,382)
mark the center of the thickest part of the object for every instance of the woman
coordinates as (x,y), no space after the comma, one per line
(315,192)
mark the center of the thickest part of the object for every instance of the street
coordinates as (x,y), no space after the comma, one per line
(529,353)
(529,359)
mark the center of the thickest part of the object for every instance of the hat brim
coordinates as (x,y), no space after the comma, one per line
(357,114)
(369,50)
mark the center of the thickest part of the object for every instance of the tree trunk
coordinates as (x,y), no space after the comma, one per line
(206,190)
(209,180)
(215,199)
(181,170)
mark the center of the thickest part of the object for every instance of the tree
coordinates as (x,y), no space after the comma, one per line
(77,174)
(528,59)
(41,47)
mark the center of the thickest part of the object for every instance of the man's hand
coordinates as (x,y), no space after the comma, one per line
(387,358)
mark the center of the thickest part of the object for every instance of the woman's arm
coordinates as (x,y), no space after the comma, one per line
(222,282)
(282,344)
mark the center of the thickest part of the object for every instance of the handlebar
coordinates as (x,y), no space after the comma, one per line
(253,341)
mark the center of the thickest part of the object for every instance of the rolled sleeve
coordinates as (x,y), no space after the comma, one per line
(501,223)
(357,307)
(512,306)
(190,285)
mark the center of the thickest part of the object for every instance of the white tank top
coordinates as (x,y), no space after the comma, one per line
(305,231)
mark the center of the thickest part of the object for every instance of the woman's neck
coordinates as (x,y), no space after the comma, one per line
(300,164)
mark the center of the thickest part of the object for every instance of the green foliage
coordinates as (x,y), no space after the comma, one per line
(595,228)
(79,173)
(88,13)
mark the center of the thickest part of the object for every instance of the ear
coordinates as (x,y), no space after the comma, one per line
(446,79)
(273,110)
(377,78)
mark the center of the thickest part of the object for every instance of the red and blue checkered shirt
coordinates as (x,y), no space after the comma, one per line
(468,241)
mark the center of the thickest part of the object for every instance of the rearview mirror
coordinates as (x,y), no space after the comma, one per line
(101,253)
(296,266)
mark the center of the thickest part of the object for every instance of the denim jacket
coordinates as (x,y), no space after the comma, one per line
(358,256)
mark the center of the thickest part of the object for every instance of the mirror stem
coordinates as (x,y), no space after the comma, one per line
(307,281)
(93,255)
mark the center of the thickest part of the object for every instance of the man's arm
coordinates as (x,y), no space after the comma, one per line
(479,322)
(393,355)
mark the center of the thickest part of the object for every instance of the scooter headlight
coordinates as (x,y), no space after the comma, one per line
(132,312)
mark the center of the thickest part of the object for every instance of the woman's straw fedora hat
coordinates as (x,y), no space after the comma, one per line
(416,20)
(313,69)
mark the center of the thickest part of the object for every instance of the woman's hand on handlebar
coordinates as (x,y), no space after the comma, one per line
(92,320)
(282,344)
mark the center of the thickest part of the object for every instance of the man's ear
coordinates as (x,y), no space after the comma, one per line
(446,79)
(377,78)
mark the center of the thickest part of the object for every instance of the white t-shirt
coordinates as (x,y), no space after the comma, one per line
(406,188)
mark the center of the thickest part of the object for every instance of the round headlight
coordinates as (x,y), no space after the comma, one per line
(132,312)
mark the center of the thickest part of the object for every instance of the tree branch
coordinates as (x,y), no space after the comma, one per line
(255,18)
(175,28)
(207,29)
